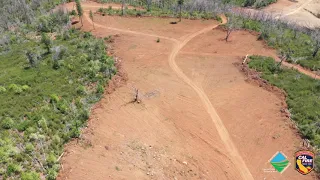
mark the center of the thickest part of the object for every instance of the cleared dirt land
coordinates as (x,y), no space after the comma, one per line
(298,11)
(199,118)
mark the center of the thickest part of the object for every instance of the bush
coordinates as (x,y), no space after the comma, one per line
(59,52)
(42,123)
(13,169)
(29,148)
(33,57)
(54,98)
(302,95)
(100,89)
(7,123)
(30,175)
(73,12)
(52,174)
(51,159)
(81,90)
(15,88)
(2,89)
(87,35)
(25,87)
(46,41)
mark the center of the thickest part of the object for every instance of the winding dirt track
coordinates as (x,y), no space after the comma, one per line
(223,132)
(185,114)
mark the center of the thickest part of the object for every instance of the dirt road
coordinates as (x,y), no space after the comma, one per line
(223,132)
(199,118)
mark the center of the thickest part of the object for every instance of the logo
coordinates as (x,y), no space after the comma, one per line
(280,162)
(304,162)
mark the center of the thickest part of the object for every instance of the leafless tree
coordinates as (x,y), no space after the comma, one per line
(122,7)
(232,25)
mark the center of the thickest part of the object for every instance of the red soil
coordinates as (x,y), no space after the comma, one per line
(199,117)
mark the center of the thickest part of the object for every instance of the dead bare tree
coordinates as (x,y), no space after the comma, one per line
(232,25)
(122,7)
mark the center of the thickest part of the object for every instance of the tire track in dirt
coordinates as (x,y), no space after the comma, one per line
(222,130)
(235,157)
(128,31)
(298,8)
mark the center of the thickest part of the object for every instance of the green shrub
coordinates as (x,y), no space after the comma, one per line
(45,39)
(81,90)
(2,89)
(56,140)
(42,123)
(62,105)
(54,98)
(296,44)
(13,169)
(52,174)
(29,148)
(25,87)
(87,35)
(55,122)
(51,159)
(73,12)
(30,176)
(7,123)
(100,89)
(15,88)
(303,94)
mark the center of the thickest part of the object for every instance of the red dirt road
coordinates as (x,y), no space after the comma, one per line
(199,118)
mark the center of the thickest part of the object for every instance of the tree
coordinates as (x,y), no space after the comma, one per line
(91,17)
(232,25)
(180,3)
(45,39)
(122,7)
(79,10)
(315,34)
(148,2)
(33,57)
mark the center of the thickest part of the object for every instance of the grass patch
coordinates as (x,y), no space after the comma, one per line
(297,45)
(303,96)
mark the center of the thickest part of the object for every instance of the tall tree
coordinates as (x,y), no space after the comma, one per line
(91,17)
(180,3)
(79,10)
